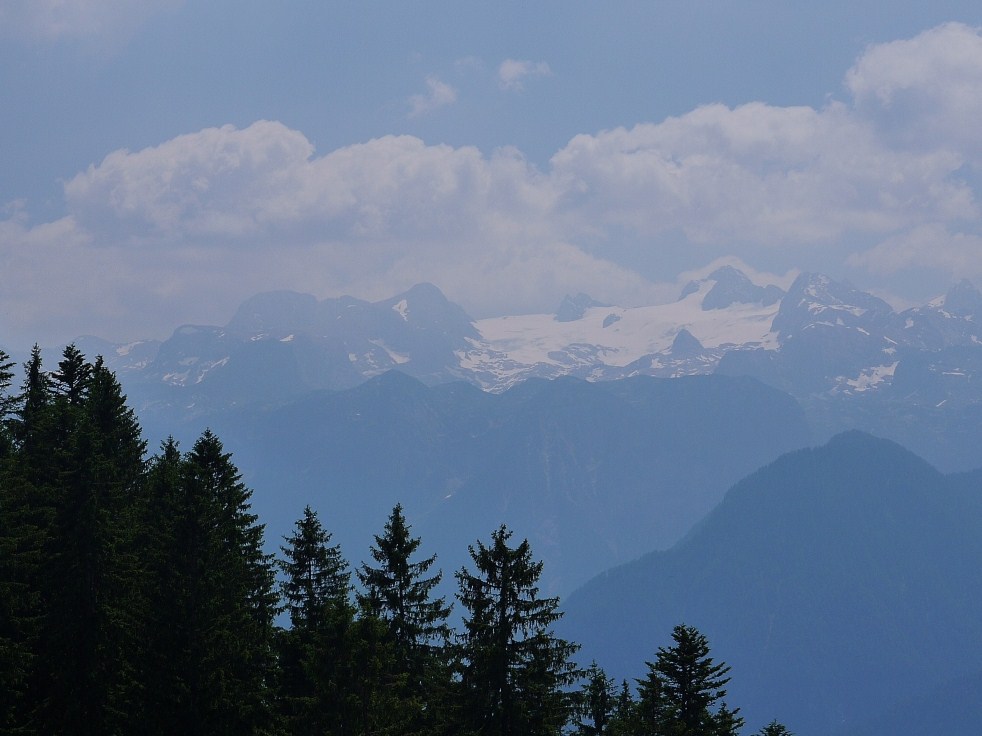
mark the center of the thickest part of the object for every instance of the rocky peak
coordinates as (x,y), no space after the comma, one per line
(573,307)
(731,286)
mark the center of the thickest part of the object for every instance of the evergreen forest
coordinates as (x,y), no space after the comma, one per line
(138,596)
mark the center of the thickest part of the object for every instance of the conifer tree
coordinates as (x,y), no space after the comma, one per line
(26,514)
(7,406)
(170,572)
(92,569)
(399,592)
(624,719)
(232,600)
(315,678)
(652,713)
(727,721)
(514,669)
(213,611)
(403,592)
(15,578)
(690,682)
(31,421)
(597,702)
(774,729)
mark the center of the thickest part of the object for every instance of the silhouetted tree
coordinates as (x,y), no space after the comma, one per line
(315,671)
(514,669)
(691,683)
(399,591)
(596,702)
(774,729)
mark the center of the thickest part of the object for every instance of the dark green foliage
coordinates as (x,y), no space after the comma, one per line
(315,681)
(596,703)
(691,683)
(32,419)
(623,720)
(402,592)
(681,695)
(727,721)
(399,592)
(514,670)
(17,600)
(774,729)
(166,657)
(230,597)
(316,574)
(209,661)
(88,484)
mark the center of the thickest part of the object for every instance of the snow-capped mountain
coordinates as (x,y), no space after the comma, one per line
(821,338)
(607,342)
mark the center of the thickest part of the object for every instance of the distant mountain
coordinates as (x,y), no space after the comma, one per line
(845,355)
(731,286)
(841,584)
(594,474)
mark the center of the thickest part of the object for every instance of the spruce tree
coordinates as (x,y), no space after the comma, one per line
(691,683)
(727,721)
(16,595)
(26,523)
(652,713)
(399,592)
(315,678)
(774,729)
(402,591)
(31,423)
(214,598)
(596,702)
(624,718)
(8,404)
(233,600)
(171,572)
(514,670)
(92,476)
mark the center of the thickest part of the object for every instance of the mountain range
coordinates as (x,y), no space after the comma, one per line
(846,356)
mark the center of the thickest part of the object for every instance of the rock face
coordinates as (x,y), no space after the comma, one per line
(733,287)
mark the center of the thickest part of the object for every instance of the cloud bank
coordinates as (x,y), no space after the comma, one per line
(207,218)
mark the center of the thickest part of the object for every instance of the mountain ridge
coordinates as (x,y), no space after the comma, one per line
(838,582)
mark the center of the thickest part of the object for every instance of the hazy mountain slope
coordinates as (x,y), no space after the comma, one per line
(836,581)
(593,473)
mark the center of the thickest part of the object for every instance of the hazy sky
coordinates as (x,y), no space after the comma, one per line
(163,160)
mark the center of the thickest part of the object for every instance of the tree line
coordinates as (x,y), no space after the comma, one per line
(137,597)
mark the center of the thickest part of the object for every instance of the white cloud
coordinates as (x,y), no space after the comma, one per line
(438,94)
(757,173)
(924,92)
(182,231)
(512,73)
(86,20)
(927,247)
(207,219)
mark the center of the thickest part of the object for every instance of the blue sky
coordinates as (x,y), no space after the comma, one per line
(164,160)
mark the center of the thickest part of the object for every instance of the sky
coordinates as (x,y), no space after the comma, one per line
(162,161)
